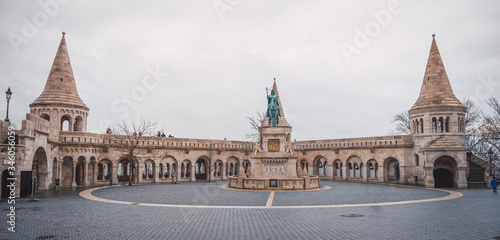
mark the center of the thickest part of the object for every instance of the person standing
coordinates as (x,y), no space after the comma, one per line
(494,184)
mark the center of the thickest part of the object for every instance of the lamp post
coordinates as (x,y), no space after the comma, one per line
(490,155)
(8,94)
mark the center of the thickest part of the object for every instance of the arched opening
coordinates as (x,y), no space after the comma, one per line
(319,166)
(355,167)
(169,167)
(434,125)
(443,178)
(80,171)
(201,169)
(78,126)
(421,125)
(65,123)
(234,165)
(372,169)
(45,116)
(218,168)
(39,168)
(304,166)
(337,171)
(246,166)
(148,170)
(186,169)
(392,170)
(124,169)
(104,168)
(445,172)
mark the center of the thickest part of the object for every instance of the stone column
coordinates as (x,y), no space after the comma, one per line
(193,178)
(223,171)
(140,168)
(429,177)
(330,169)
(114,174)
(365,172)
(379,171)
(345,169)
(96,172)
(71,123)
(462,178)
(86,174)
(73,184)
(59,171)
(157,173)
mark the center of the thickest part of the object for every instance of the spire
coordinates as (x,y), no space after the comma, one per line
(275,87)
(436,88)
(60,88)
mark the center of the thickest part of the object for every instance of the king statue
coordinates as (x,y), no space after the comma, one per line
(273,109)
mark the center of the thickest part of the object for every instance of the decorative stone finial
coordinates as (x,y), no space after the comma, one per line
(433,35)
(64,33)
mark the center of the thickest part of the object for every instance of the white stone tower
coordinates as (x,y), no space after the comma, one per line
(59,102)
(438,128)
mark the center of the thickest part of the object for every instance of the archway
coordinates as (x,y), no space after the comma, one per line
(78,126)
(445,172)
(319,166)
(65,120)
(304,165)
(39,168)
(392,170)
(246,167)
(443,178)
(234,166)
(124,167)
(201,169)
(80,171)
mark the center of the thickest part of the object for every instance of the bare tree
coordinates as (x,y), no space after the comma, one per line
(256,123)
(490,128)
(489,132)
(402,122)
(131,135)
(472,121)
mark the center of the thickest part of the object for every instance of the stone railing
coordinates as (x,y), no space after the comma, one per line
(369,142)
(153,142)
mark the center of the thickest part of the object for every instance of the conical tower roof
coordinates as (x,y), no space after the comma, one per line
(60,88)
(436,88)
(275,87)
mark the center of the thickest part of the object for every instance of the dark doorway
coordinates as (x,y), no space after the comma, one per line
(5,189)
(26,183)
(443,178)
(201,170)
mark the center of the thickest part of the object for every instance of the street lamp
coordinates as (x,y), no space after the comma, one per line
(490,155)
(8,94)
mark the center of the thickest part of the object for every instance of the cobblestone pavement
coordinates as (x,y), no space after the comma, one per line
(63,214)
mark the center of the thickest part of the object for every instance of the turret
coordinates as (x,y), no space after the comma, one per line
(59,103)
(437,111)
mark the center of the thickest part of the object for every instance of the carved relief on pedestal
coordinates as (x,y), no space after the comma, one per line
(273,169)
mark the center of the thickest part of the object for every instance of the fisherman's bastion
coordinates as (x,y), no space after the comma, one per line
(54,147)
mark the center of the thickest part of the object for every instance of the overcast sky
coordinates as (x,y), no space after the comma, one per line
(343,68)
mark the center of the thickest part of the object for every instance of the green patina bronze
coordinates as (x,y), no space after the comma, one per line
(273,109)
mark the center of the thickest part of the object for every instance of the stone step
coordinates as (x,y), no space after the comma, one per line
(477,184)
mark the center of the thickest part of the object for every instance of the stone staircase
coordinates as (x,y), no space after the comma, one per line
(476,176)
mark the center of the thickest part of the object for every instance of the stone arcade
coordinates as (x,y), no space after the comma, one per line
(54,146)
